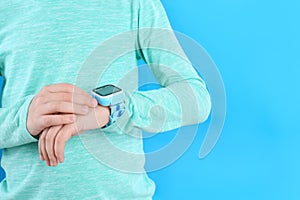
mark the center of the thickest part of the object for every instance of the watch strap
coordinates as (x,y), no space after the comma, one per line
(116,111)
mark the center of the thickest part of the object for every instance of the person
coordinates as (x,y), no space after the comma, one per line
(53,134)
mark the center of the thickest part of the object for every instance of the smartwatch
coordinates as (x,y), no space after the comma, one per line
(113,97)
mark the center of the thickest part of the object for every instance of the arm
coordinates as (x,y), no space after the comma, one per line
(183,98)
(31,114)
(13,131)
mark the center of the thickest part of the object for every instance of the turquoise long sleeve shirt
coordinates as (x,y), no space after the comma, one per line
(91,43)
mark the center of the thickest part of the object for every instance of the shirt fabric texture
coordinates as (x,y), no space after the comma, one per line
(44,42)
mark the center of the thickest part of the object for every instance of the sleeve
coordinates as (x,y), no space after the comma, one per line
(13,130)
(183,98)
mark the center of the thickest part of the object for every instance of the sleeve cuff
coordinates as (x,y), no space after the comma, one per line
(26,136)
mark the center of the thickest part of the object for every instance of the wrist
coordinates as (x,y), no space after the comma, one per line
(102,115)
(34,134)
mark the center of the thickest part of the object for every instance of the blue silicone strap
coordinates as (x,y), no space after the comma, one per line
(116,111)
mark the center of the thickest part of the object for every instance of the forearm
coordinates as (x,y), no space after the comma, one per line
(179,104)
(13,131)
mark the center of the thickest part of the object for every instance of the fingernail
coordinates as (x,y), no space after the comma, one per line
(85,109)
(41,158)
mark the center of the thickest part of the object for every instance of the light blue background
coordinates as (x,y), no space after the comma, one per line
(256,45)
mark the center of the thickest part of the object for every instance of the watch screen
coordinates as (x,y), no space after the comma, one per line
(107,90)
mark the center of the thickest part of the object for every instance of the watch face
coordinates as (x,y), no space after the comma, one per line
(107,90)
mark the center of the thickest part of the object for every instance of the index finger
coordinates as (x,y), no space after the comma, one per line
(65,87)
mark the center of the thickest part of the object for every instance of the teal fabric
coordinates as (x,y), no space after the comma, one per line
(1,86)
(44,42)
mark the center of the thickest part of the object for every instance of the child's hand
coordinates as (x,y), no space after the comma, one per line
(66,99)
(53,140)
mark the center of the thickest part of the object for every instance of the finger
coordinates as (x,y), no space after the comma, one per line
(61,139)
(64,107)
(71,98)
(49,143)
(54,120)
(43,147)
(39,145)
(64,87)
